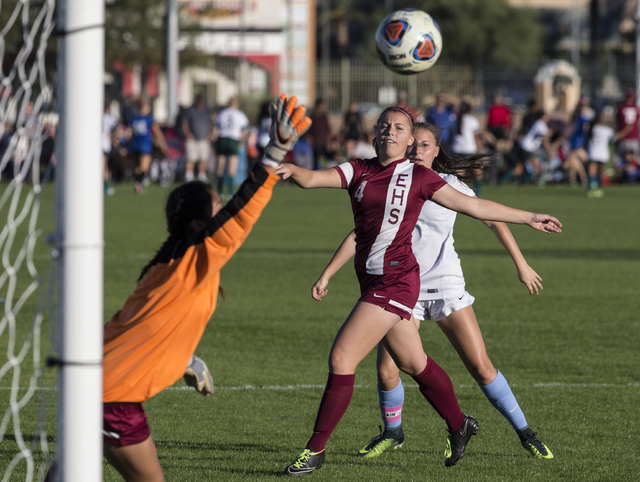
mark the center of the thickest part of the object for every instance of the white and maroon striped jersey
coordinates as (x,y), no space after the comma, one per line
(386,202)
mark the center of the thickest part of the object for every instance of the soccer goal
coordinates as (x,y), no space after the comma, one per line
(51,95)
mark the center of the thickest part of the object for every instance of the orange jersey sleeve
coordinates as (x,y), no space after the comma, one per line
(148,343)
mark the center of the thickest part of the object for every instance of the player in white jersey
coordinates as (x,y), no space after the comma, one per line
(599,139)
(387,194)
(444,299)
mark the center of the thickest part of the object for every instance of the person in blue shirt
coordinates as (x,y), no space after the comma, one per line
(444,118)
(144,130)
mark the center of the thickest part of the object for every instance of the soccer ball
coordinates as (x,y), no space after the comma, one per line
(408,41)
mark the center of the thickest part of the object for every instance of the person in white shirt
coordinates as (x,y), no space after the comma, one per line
(537,136)
(109,123)
(467,139)
(232,125)
(601,136)
(444,299)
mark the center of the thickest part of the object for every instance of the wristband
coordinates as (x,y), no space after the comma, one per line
(269,162)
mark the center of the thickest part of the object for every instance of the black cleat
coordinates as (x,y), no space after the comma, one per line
(536,448)
(457,441)
(305,463)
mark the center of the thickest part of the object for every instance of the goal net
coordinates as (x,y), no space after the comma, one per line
(27,165)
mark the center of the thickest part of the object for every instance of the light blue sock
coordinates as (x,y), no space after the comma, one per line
(391,406)
(500,396)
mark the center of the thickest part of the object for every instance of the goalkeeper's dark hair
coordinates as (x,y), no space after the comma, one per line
(188,202)
(466,169)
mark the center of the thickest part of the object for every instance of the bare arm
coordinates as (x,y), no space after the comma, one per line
(159,136)
(491,211)
(526,274)
(344,253)
(308,179)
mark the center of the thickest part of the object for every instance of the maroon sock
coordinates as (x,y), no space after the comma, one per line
(437,388)
(335,400)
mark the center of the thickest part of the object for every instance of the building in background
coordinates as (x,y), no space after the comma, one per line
(258,48)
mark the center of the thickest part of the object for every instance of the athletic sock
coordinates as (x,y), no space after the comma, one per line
(436,386)
(500,396)
(335,401)
(525,433)
(593,183)
(391,407)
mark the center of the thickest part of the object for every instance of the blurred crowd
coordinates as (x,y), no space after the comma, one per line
(592,148)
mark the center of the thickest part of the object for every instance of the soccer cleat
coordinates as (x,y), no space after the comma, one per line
(197,375)
(537,448)
(380,443)
(458,440)
(305,463)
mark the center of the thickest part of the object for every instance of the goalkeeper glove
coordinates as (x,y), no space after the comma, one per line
(197,375)
(288,123)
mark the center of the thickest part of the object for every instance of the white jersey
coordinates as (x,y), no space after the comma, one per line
(533,139)
(465,142)
(601,137)
(108,124)
(440,270)
(231,122)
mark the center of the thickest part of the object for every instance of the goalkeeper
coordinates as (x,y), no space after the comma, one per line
(150,341)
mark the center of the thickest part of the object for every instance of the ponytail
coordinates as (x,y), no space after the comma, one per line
(466,169)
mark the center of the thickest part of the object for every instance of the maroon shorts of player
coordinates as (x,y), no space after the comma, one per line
(124,424)
(397,293)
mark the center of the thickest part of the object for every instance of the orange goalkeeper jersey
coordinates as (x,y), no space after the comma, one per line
(148,343)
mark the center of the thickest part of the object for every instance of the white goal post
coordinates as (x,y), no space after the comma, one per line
(80,239)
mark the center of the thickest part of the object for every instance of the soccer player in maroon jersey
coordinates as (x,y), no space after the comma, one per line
(387,194)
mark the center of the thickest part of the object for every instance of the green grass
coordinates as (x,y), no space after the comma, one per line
(571,354)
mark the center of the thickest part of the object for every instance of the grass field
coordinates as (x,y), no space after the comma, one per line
(571,354)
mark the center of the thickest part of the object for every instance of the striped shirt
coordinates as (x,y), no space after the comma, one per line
(386,202)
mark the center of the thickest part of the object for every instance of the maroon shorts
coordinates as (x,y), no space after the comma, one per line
(397,293)
(124,424)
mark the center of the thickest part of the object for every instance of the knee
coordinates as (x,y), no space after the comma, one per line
(388,377)
(340,362)
(484,372)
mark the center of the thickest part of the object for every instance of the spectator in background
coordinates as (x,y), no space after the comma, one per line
(497,135)
(628,115)
(600,136)
(198,130)
(582,117)
(467,139)
(303,153)
(144,130)
(109,123)
(444,118)
(364,147)
(352,127)
(263,124)
(499,123)
(320,134)
(232,125)
(528,166)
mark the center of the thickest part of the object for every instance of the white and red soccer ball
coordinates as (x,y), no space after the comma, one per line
(408,41)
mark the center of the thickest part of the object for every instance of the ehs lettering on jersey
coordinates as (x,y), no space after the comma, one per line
(397,197)
(397,194)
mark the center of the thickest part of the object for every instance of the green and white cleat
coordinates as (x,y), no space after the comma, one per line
(379,444)
(536,448)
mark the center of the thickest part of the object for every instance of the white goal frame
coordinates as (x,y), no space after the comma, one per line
(79,198)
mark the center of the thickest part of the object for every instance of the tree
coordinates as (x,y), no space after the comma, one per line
(134,32)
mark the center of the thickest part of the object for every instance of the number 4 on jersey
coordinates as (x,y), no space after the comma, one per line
(360,192)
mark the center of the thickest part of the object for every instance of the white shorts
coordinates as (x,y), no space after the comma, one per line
(197,150)
(436,310)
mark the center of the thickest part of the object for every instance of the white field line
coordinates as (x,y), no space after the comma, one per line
(313,387)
